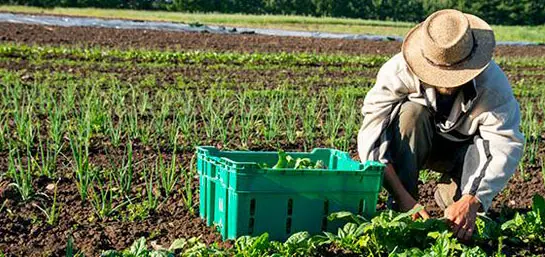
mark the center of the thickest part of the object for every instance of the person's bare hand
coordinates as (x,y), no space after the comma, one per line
(420,214)
(408,203)
(405,201)
(462,215)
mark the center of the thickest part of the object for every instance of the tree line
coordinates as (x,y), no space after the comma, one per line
(501,12)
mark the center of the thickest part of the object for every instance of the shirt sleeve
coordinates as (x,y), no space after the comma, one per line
(378,108)
(500,148)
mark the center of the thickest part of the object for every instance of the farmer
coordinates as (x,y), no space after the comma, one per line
(444,105)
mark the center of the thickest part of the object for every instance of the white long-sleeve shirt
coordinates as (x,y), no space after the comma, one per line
(490,116)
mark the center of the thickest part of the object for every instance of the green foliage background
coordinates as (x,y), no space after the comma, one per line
(500,12)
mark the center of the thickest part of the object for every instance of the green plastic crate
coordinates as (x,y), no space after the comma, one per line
(241,198)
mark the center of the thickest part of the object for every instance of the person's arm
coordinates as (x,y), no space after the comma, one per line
(401,195)
(499,149)
(378,109)
(503,145)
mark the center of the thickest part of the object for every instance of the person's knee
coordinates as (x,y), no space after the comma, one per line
(411,136)
(414,119)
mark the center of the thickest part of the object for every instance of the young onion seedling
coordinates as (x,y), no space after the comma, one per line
(82,171)
(168,174)
(51,213)
(21,175)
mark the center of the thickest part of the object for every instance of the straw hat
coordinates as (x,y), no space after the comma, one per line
(449,48)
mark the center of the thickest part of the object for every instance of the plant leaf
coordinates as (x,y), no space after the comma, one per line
(407,214)
(331,237)
(319,165)
(509,224)
(345,214)
(138,248)
(178,244)
(339,215)
(350,229)
(282,160)
(539,205)
(110,253)
(298,237)
(160,254)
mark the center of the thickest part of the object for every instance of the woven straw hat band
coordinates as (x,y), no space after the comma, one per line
(447,38)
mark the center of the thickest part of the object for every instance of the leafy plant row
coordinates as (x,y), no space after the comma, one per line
(190,57)
(210,57)
(388,233)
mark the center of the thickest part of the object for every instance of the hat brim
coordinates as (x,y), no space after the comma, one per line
(456,75)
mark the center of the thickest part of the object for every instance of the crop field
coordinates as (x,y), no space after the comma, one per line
(98,129)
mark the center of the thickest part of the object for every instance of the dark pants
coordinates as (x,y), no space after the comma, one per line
(415,145)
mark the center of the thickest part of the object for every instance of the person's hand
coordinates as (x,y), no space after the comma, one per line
(461,216)
(420,214)
(404,200)
(408,204)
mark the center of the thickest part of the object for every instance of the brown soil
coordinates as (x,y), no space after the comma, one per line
(183,40)
(515,197)
(296,77)
(23,232)
(131,38)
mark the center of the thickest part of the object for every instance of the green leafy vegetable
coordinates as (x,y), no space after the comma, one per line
(282,160)
(529,227)
(286,161)
(387,234)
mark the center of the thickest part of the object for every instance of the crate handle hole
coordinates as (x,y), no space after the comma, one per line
(251,226)
(360,208)
(326,213)
(290,206)
(252,207)
(324,223)
(288,225)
